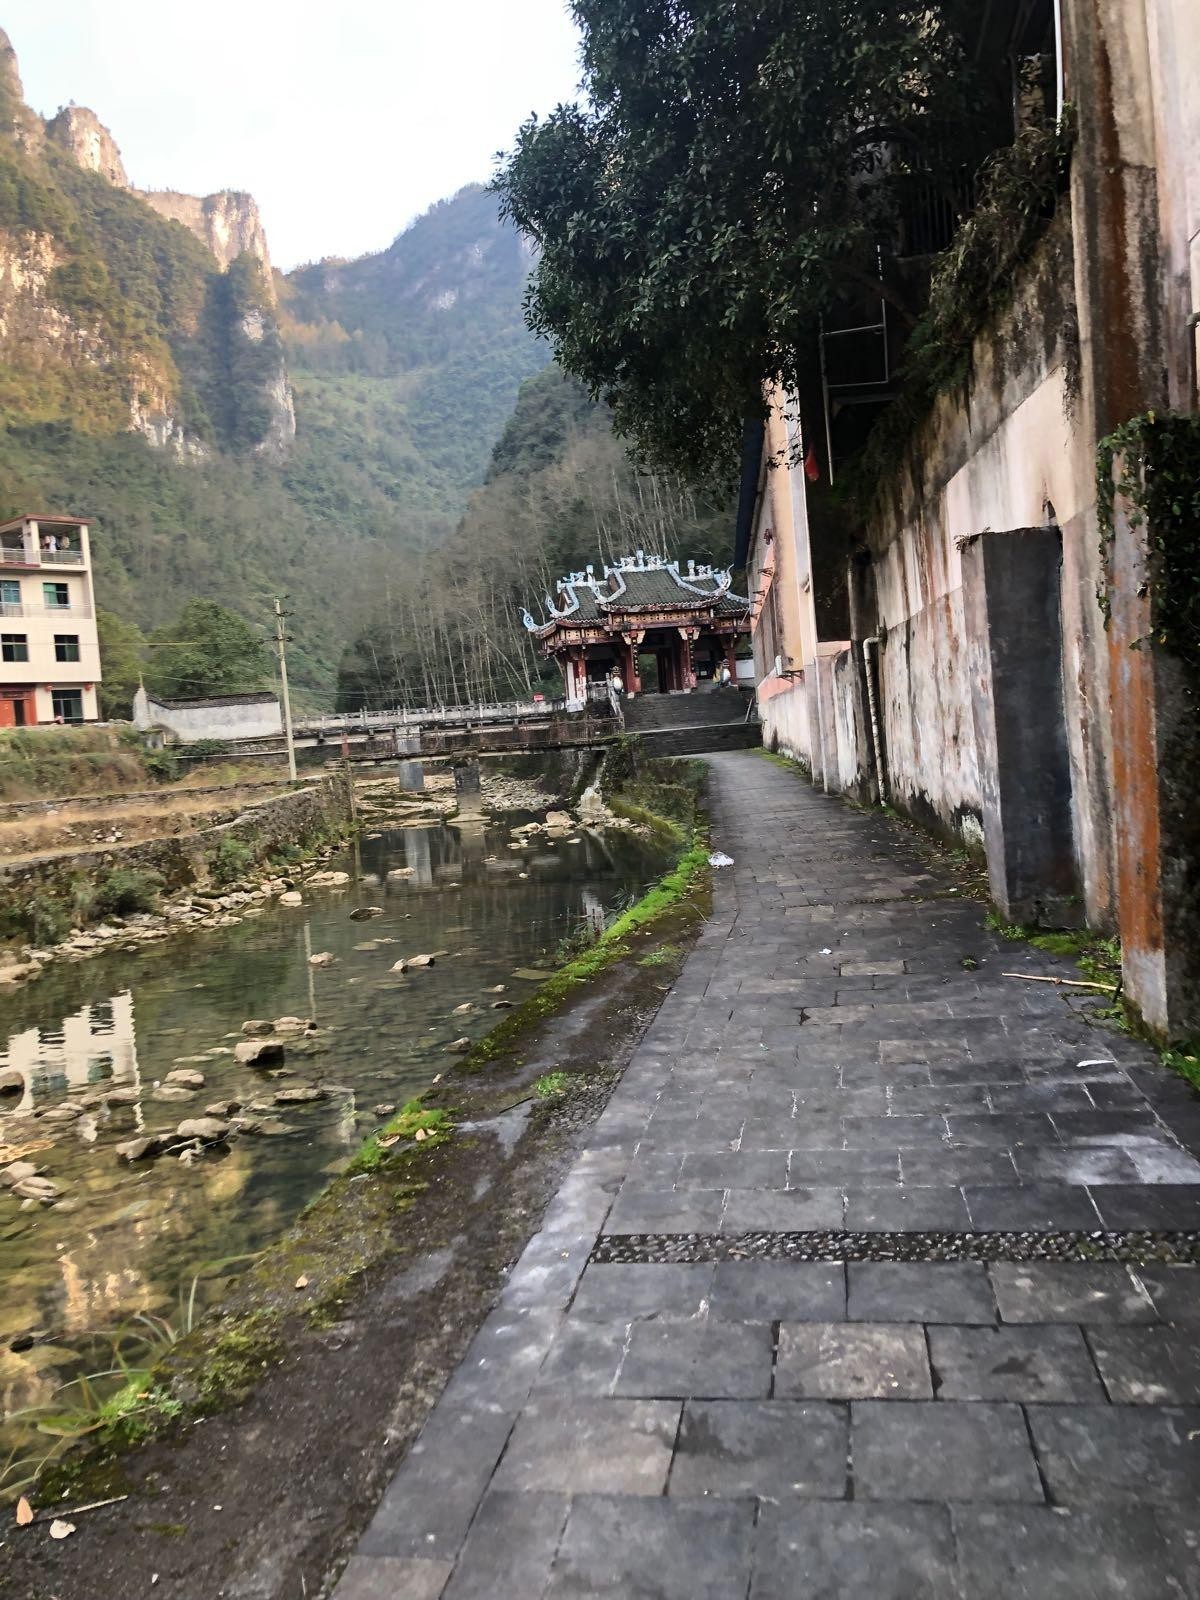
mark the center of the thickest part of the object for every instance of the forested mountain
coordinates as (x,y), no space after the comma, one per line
(560,492)
(234,432)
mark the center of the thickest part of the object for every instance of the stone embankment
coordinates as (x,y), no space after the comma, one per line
(37,891)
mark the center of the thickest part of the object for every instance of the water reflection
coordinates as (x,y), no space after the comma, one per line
(130,1239)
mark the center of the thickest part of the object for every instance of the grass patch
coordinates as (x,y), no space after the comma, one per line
(433,1125)
(552,1085)
(662,957)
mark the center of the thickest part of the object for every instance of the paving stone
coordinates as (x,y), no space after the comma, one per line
(1175,1291)
(641,1548)
(1043,1554)
(510,1549)
(1003,1131)
(429,1504)
(584,1358)
(933,1169)
(1103,1164)
(1156,1206)
(931,1450)
(718,1360)
(1037,1291)
(1039,1207)
(590,1447)
(833,1168)
(769,1448)
(738,1170)
(894,1133)
(503,1359)
(667,1211)
(775,1291)
(1108,1127)
(782,1210)
(391,1578)
(1122,1453)
(854,1552)
(852,1361)
(902,1209)
(1017,1363)
(666,1292)
(890,1291)
(1149,1366)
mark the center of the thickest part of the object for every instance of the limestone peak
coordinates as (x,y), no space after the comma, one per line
(84,137)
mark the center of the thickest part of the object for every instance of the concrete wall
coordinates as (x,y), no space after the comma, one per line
(215,719)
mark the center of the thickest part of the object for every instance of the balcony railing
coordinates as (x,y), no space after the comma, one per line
(15,553)
(11,608)
(68,613)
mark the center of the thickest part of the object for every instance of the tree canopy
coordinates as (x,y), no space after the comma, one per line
(207,650)
(726,180)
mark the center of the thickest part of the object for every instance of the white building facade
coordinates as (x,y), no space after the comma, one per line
(49,647)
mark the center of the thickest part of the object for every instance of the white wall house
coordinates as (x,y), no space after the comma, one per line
(49,650)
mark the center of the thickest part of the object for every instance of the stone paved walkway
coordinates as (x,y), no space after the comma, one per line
(705,1381)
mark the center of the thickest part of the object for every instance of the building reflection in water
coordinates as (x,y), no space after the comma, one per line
(94,1045)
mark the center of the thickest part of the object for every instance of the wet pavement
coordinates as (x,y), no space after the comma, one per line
(880,1276)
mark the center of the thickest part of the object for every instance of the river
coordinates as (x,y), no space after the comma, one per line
(126,1240)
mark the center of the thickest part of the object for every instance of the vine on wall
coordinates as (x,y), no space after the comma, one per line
(1153,462)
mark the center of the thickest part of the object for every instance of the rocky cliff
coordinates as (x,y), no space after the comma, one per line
(112,316)
(87,141)
(227,223)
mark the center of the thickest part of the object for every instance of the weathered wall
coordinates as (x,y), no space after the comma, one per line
(1007,451)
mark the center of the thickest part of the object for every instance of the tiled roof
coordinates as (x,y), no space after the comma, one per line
(638,583)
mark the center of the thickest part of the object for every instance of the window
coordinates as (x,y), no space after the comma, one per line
(66,647)
(57,596)
(14,646)
(68,704)
(10,593)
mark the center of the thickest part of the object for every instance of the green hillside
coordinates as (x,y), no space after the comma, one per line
(559,492)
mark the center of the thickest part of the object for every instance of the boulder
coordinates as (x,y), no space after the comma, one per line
(223,1108)
(257,1025)
(291,897)
(122,1097)
(186,1078)
(172,1091)
(502,1005)
(459,1047)
(323,958)
(209,1130)
(19,971)
(463,1010)
(559,822)
(409,963)
(387,1109)
(293,1025)
(39,1189)
(302,1095)
(60,1114)
(258,1052)
(16,1172)
(363,913)
(398,873)
(328,880)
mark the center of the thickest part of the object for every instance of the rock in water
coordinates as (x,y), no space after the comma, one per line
(328,880)
(300,1096)
(291,897)
(412,962)
(463,1010)
(210,1130)
(362,913)
(16,1172)
(292,1024)
(323,958)
(258,1052)
(459,1047)
(172,1091)
(257,1025)
(185,1078)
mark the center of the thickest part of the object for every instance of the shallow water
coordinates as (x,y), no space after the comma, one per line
(133,1239)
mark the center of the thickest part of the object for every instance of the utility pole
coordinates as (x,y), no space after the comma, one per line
(281,641)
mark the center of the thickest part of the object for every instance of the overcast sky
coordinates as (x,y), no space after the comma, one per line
(344,121)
